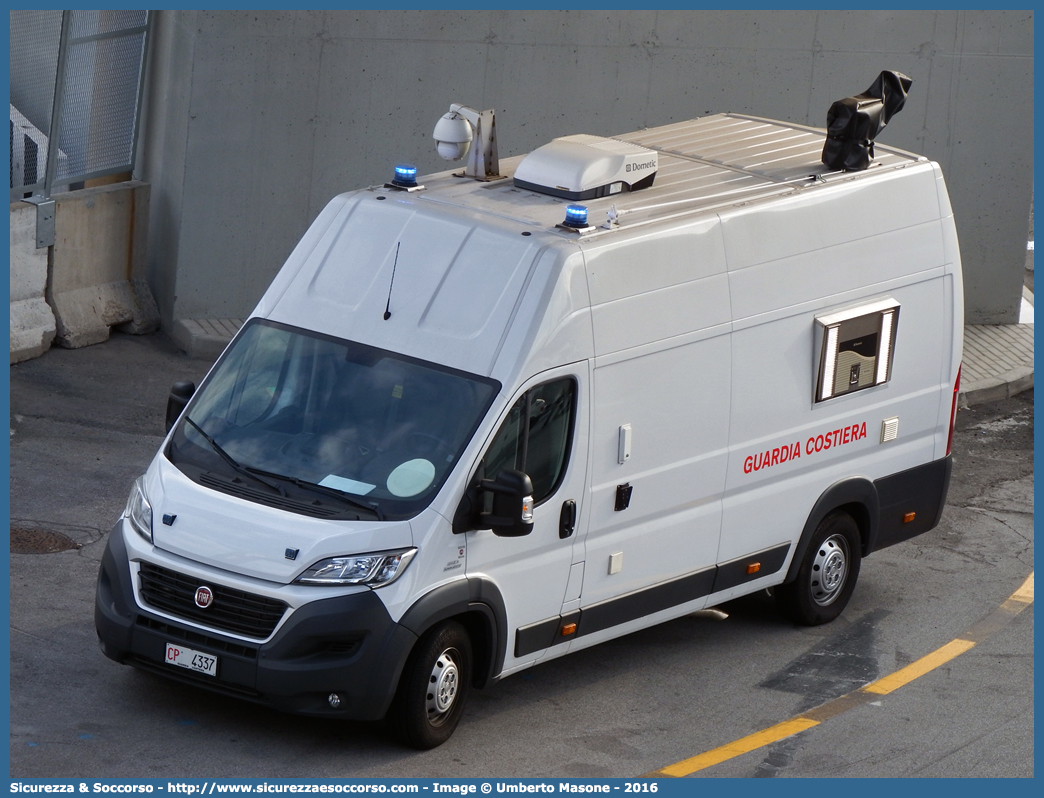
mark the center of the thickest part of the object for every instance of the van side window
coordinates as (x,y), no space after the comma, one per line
(535,437)
(857,348)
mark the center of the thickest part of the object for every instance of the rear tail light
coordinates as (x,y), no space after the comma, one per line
(953,411)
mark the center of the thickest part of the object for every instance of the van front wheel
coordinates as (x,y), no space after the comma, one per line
(827,575)
(434,688)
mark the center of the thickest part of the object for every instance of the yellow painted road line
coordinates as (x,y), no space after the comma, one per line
(1016,603)
(1025,593)
(753,742)
(916,670)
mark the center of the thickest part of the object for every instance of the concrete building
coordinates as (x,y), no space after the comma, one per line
(254,120)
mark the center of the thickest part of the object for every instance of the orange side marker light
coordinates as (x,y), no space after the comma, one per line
(909,517)
(753,567)
(568,629)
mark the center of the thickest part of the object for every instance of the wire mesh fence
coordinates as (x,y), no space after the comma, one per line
(76,79)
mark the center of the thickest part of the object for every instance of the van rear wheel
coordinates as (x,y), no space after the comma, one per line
(827,576)
(433,688)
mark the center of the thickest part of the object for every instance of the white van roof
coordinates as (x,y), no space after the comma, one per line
(705,164)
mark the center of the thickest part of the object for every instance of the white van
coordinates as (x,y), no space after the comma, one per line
(473,425)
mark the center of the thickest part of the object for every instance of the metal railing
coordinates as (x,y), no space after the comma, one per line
(76,79)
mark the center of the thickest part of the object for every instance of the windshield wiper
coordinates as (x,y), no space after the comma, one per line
(314,487)
(237,466)
(258,475)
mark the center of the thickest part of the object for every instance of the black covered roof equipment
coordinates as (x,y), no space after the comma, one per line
(854,122)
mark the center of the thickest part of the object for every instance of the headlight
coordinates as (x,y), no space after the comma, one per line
(374,570)
(139,511)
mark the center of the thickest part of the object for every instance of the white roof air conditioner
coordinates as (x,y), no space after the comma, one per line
(585,167)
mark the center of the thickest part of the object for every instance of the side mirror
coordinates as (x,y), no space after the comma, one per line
(512,514)
(511,498)
(180,393)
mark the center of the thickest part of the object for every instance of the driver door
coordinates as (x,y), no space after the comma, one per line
(544,434)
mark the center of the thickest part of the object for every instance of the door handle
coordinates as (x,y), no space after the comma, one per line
(567,519)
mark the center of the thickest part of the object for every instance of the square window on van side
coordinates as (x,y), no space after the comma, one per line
(855,348)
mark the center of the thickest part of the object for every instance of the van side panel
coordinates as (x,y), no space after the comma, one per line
(841,273)
(677,404)
(785,448)
(847,209)
(551,323)
(633,263)
(660,311)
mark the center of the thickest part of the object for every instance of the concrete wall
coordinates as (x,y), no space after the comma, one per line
(254,120)
(96,266)
(92,277)
(32,321)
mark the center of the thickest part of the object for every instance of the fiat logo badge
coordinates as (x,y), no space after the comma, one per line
(204,597)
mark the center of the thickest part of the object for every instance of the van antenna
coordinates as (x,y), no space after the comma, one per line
(387,307)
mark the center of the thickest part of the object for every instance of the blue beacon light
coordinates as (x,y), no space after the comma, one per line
(405,175)
(576,216)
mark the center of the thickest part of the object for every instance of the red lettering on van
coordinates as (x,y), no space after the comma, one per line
(772,457)
(814,444)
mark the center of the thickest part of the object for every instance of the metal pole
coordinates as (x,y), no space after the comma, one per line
(140,99)
(56,110)
(45,210)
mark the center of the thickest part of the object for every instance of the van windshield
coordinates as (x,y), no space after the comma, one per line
(327,427)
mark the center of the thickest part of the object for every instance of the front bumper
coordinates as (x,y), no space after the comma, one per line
(347,645)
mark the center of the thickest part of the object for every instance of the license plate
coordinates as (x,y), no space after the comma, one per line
(191,659)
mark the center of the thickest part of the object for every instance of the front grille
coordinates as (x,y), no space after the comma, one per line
(178,634)
(231,610)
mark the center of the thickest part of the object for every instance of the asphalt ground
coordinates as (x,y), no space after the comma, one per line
(85,423)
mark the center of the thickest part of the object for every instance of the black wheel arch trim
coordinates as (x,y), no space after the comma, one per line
(857,494)
(479,602)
